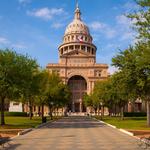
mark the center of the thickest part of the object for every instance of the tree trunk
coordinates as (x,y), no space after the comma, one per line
(122,113)
(30,111)
(50,111)
(102,112)
(115,110)
(42,113)
(148,113)
(2,111)
(98,110)
(62,111)
(57,111)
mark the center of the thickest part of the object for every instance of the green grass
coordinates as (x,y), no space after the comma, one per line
(22,122)
(132,123)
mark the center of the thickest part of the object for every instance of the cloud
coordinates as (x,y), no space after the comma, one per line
(18,46)
(103,28)
(130,6)
(97,25)
(128,36)
(123,20)
(24,1)
(124,25)
(112,70)
(57,25)
(46,13)
(4,41)
(7,43)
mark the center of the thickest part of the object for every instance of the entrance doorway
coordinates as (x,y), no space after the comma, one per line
(78,87)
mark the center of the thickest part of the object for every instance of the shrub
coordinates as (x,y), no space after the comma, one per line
(134,114)
(17,114)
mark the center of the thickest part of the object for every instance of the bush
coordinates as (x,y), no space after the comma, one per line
(134,114)
(17,114)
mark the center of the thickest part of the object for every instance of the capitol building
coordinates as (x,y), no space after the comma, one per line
(78,69)
(77,65)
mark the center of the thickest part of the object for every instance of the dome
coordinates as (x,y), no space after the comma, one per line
(77,25)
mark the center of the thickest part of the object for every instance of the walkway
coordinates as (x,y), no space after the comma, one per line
(75,133)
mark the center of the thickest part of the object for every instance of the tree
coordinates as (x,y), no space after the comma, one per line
(119,91)
(43,86)
(99,95)
(15,72)
(87,100)
(57,93)
(142,20)
(135,65)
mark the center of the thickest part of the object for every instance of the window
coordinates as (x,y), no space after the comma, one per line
(15,104)
(71,47)
(68,38)
(92,51)
(61,51)
(83,47)
(85,38)
(77,47)
(72,37)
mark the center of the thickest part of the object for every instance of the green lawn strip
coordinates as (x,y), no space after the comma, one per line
(131,123)
(23,122)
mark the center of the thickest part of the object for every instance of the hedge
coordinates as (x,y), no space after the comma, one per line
(17,114)
(134,114)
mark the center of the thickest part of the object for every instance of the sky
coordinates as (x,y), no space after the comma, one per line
(36,27)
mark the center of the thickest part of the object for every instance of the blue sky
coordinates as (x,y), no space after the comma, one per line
(36,27)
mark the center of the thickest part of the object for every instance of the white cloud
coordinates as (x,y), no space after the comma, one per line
(124,25)
(103,28)
(4,40)
(128,36)
(110,33)
(112,70)
(46,13)
(97,25)
(24,1)
(123,20)
(130,6)
(19,46)
(57,25)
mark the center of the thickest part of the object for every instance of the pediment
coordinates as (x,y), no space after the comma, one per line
(76,53)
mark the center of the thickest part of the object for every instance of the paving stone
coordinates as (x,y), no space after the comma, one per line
(75,133)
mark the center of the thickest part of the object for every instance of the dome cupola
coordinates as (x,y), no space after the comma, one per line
(77,25)
(77,37)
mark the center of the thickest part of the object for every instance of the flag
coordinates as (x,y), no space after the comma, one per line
(80,38)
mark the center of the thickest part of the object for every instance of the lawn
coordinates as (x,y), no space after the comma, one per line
(135,123)
(21,122)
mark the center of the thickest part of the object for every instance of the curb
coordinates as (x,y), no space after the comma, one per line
(43,124)
(121,130)
(25,131)
(127,132)
(108,124)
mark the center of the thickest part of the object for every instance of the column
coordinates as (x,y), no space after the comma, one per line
(73,107)
(80,107)
(90,86)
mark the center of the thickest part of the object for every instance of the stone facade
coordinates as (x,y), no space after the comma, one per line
(77,62)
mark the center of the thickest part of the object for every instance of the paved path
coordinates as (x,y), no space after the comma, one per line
(75,133)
